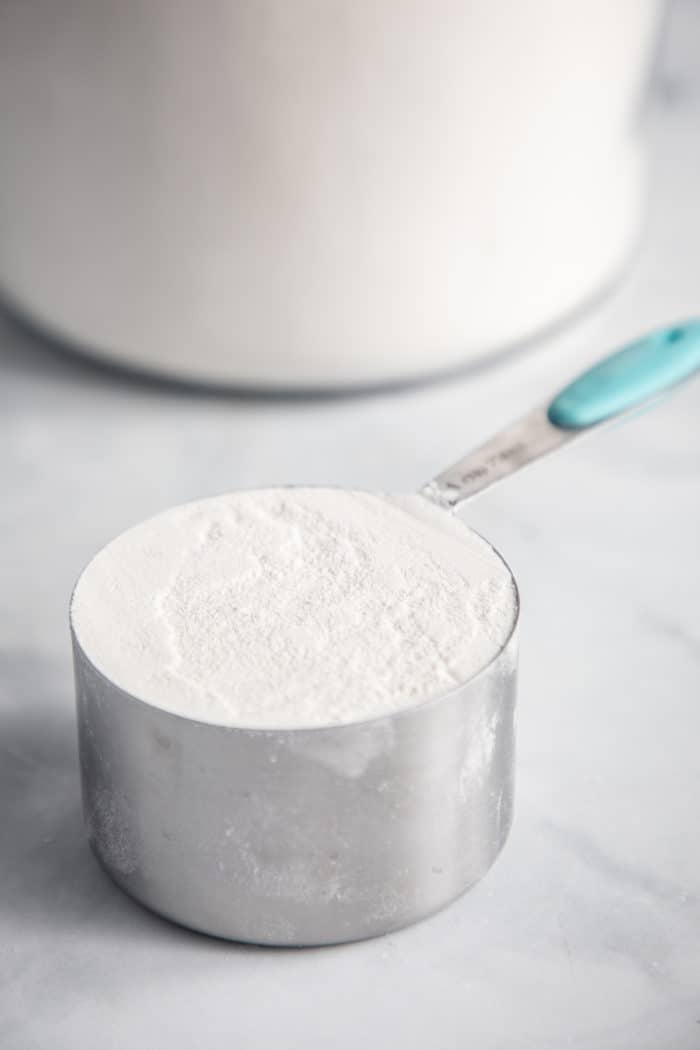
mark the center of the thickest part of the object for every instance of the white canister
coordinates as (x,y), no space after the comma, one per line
(315,193)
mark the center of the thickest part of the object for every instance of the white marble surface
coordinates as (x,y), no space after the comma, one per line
(586,933)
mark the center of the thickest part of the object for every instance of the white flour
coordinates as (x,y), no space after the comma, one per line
(294,607)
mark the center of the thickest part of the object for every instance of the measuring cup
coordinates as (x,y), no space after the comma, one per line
(322,835)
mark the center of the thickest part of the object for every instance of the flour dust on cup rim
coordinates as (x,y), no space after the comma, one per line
(294,608)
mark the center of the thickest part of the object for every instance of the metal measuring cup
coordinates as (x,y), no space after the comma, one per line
(322,835)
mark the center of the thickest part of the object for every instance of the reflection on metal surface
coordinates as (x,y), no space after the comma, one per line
(530,438)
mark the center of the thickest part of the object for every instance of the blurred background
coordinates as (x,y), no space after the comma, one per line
(258,243)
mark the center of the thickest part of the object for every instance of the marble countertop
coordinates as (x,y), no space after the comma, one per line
(586,933)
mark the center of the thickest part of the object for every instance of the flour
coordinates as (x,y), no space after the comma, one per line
(294,607)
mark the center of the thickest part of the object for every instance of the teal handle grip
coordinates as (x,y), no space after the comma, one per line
(629,377)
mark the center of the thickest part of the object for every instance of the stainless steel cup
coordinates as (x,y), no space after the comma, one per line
(299,836)
(313,836)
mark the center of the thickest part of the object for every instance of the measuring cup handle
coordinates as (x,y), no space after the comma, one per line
(637,373)
(625,380)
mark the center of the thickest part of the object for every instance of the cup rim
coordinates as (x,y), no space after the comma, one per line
(373,720)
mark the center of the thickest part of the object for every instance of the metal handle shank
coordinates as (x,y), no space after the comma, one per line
(620,384)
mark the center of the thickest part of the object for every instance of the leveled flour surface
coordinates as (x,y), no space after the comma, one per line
(294,607)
